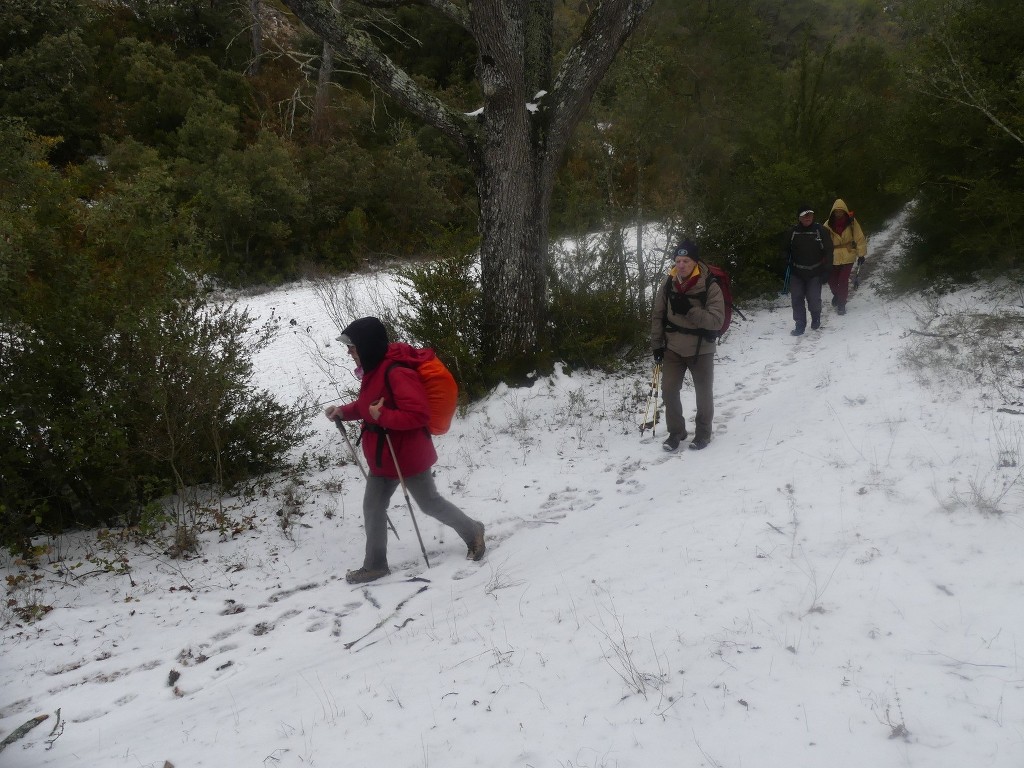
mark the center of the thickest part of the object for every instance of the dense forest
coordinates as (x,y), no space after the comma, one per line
(153,149)
(725,114)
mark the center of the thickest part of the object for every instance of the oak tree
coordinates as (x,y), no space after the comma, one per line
(514,143)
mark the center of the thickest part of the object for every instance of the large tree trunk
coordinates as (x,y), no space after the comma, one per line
(320,122)
(321,103)
(513,255)
(513,180)
(514,150)
(255,36)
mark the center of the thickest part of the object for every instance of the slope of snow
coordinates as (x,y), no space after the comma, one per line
(835,581)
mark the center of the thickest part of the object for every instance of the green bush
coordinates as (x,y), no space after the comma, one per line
(965,122)
(442,305)
(119,381)
(591,327)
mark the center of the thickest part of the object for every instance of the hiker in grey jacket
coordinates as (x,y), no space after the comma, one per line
(809,264)
(688,311)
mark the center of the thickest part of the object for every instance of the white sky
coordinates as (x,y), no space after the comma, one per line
(822,586)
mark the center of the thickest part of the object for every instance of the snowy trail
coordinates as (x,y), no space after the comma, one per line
(801,593)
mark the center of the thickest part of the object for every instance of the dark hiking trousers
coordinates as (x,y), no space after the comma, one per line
(702,371)
(379,491)
(839,282)
(805,293)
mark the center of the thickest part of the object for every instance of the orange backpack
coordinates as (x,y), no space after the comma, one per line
(442,392)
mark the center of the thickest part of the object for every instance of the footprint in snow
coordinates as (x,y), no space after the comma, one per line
(630,486)
(282,594)
(226,633)
(627,470)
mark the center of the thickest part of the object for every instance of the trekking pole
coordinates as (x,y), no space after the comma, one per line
(355,458)
(856,275)
(652,394)
(394,458)
(657,399)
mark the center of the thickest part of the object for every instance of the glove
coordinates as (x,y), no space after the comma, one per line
(680,304)
(659,355)
(860,260)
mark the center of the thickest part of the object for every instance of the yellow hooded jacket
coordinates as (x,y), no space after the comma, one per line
(849,245)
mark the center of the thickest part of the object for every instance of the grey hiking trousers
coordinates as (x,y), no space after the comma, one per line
(805,291)
(702,371)
(379,491)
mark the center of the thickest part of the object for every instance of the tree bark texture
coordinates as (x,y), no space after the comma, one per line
(256,36)
(515,145)
(321,103)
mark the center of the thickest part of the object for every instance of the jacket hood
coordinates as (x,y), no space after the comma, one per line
(400,352)
(370,338)
(839,205)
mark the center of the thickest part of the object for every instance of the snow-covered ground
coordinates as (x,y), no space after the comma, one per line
(836,581)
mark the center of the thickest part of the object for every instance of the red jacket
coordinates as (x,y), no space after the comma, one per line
(405,414)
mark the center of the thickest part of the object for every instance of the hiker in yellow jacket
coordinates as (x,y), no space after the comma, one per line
(848,246)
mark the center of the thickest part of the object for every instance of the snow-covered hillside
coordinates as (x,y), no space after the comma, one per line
(835,582)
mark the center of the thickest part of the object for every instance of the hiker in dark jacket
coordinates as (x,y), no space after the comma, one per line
(392,403)
(688,311)
(809,260)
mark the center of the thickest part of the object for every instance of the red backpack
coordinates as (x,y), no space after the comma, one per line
(442,392)
(720,276)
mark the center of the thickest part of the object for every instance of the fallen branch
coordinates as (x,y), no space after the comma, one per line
(387,618)
(21,731)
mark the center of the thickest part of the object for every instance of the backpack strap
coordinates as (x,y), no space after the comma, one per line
(387,378)
(391,392)
(664,315)
(703,333)
(377,429)
(817,236)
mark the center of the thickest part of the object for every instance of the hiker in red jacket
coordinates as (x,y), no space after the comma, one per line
(393,403)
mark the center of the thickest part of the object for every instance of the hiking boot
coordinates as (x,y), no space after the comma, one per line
(841,309)
(798,331)
(835,301)
(672,442)
(815,325)
(477,547)
(363,575)
(699,444)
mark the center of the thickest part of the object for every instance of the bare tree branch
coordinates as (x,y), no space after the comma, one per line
(453,11)
(354,44)
(974,95)
(957,85)
(514,144)
(585,66)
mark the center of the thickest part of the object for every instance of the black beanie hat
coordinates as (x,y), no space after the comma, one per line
(802,208)
(370,338)
(686,248)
